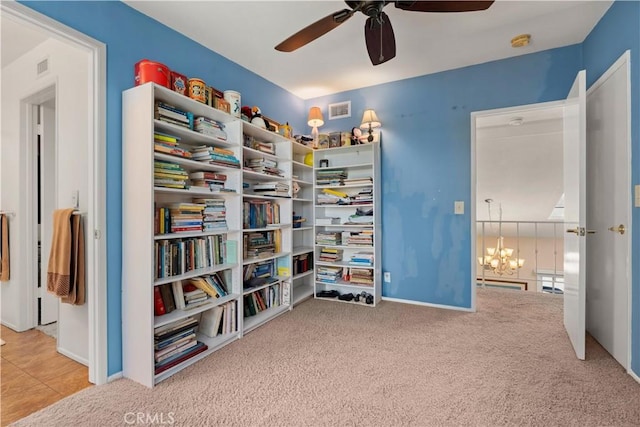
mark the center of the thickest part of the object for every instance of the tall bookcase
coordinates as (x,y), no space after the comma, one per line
(161,253)
(348,252)
(303,237)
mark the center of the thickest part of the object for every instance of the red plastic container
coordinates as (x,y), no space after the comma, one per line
(151,71)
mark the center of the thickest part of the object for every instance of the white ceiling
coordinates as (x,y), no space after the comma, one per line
(17,39)
(247,31)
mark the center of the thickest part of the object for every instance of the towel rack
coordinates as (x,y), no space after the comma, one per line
(8,213)
(77,213)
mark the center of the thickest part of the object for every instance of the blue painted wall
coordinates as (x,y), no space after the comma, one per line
(131,36)
(426,161)
(618,31)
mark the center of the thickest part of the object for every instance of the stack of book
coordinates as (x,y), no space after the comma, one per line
(265,147)
(215,156)
(265,166)
(170,114)
(331,177)
(361,276)
(169,175)
(211,180)
(169,144)
(330,254)
(210,127)
(329,238)
(362,217)
(364,259)
(364,197)
(186,217)
(358,181)
(327,274)
(277,189)
(175,343)
(259,244)
(362,238)
(214,215)
(213,286)
(333,197)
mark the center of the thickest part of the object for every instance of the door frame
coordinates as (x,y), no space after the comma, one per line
(96,159)
(472,209)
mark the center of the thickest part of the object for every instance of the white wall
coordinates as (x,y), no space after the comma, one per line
(68,70)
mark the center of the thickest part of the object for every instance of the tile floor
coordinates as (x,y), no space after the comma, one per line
(34,375)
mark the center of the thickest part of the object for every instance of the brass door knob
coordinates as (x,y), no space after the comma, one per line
(619,229)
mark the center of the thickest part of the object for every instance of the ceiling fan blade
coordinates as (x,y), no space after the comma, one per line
(381,42)
(443,6)
(315,30)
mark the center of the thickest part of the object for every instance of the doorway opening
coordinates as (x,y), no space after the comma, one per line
(519,198)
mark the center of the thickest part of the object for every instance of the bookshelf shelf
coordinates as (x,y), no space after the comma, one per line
(359,166)
(190,137)
(278,279)
(193,273)
(266,258)
(305,274)
(303,229)
(193,165)
(251,153)
(214,344)
(170,236)
(251,323)
(304,292)
(298,250)
(249,174)
(193,191)
(165,319)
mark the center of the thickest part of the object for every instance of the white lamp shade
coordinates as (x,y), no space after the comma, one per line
(369,118)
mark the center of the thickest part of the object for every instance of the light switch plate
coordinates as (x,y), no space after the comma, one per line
(458,207)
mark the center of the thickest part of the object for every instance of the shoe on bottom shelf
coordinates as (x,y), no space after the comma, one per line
(346,297)
(328,294)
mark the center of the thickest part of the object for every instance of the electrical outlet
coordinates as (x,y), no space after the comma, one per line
(387,276)
(458,207)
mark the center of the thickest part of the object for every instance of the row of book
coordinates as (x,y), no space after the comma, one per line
(179,256)
(302,263)
(170,114)
(191,293)
(184,217)
(353,275)
(355,238)
(175,343)
(329,196)
(260,213)
(328,274)
(362,258)
(263,299)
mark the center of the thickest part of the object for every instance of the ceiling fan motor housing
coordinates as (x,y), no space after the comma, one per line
(369,8)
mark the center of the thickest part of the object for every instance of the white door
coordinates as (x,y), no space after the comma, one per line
(574,152)
(609,210)
(47,133)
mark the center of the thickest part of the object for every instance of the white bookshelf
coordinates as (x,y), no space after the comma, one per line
(303,237)
(357,162)
(140,200)
(272,153)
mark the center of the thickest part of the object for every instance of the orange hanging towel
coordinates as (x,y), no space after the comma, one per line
(65,274)
(4,248)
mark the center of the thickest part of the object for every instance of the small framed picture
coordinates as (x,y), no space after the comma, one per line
(323,140)
(324,163)
(334,140)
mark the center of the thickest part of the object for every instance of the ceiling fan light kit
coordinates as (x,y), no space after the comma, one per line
(521,40)
(378,32)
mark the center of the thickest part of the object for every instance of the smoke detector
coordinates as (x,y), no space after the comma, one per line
(521,40)
(516,121)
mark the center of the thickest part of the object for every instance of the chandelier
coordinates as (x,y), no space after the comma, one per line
(498,259)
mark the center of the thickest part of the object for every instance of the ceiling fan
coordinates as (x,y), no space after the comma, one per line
(378,33)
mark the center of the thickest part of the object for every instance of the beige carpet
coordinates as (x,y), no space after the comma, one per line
(333,364)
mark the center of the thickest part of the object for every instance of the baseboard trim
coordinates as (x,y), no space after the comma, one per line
(73,356)
(633,375)
(428,304)
(115,376)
